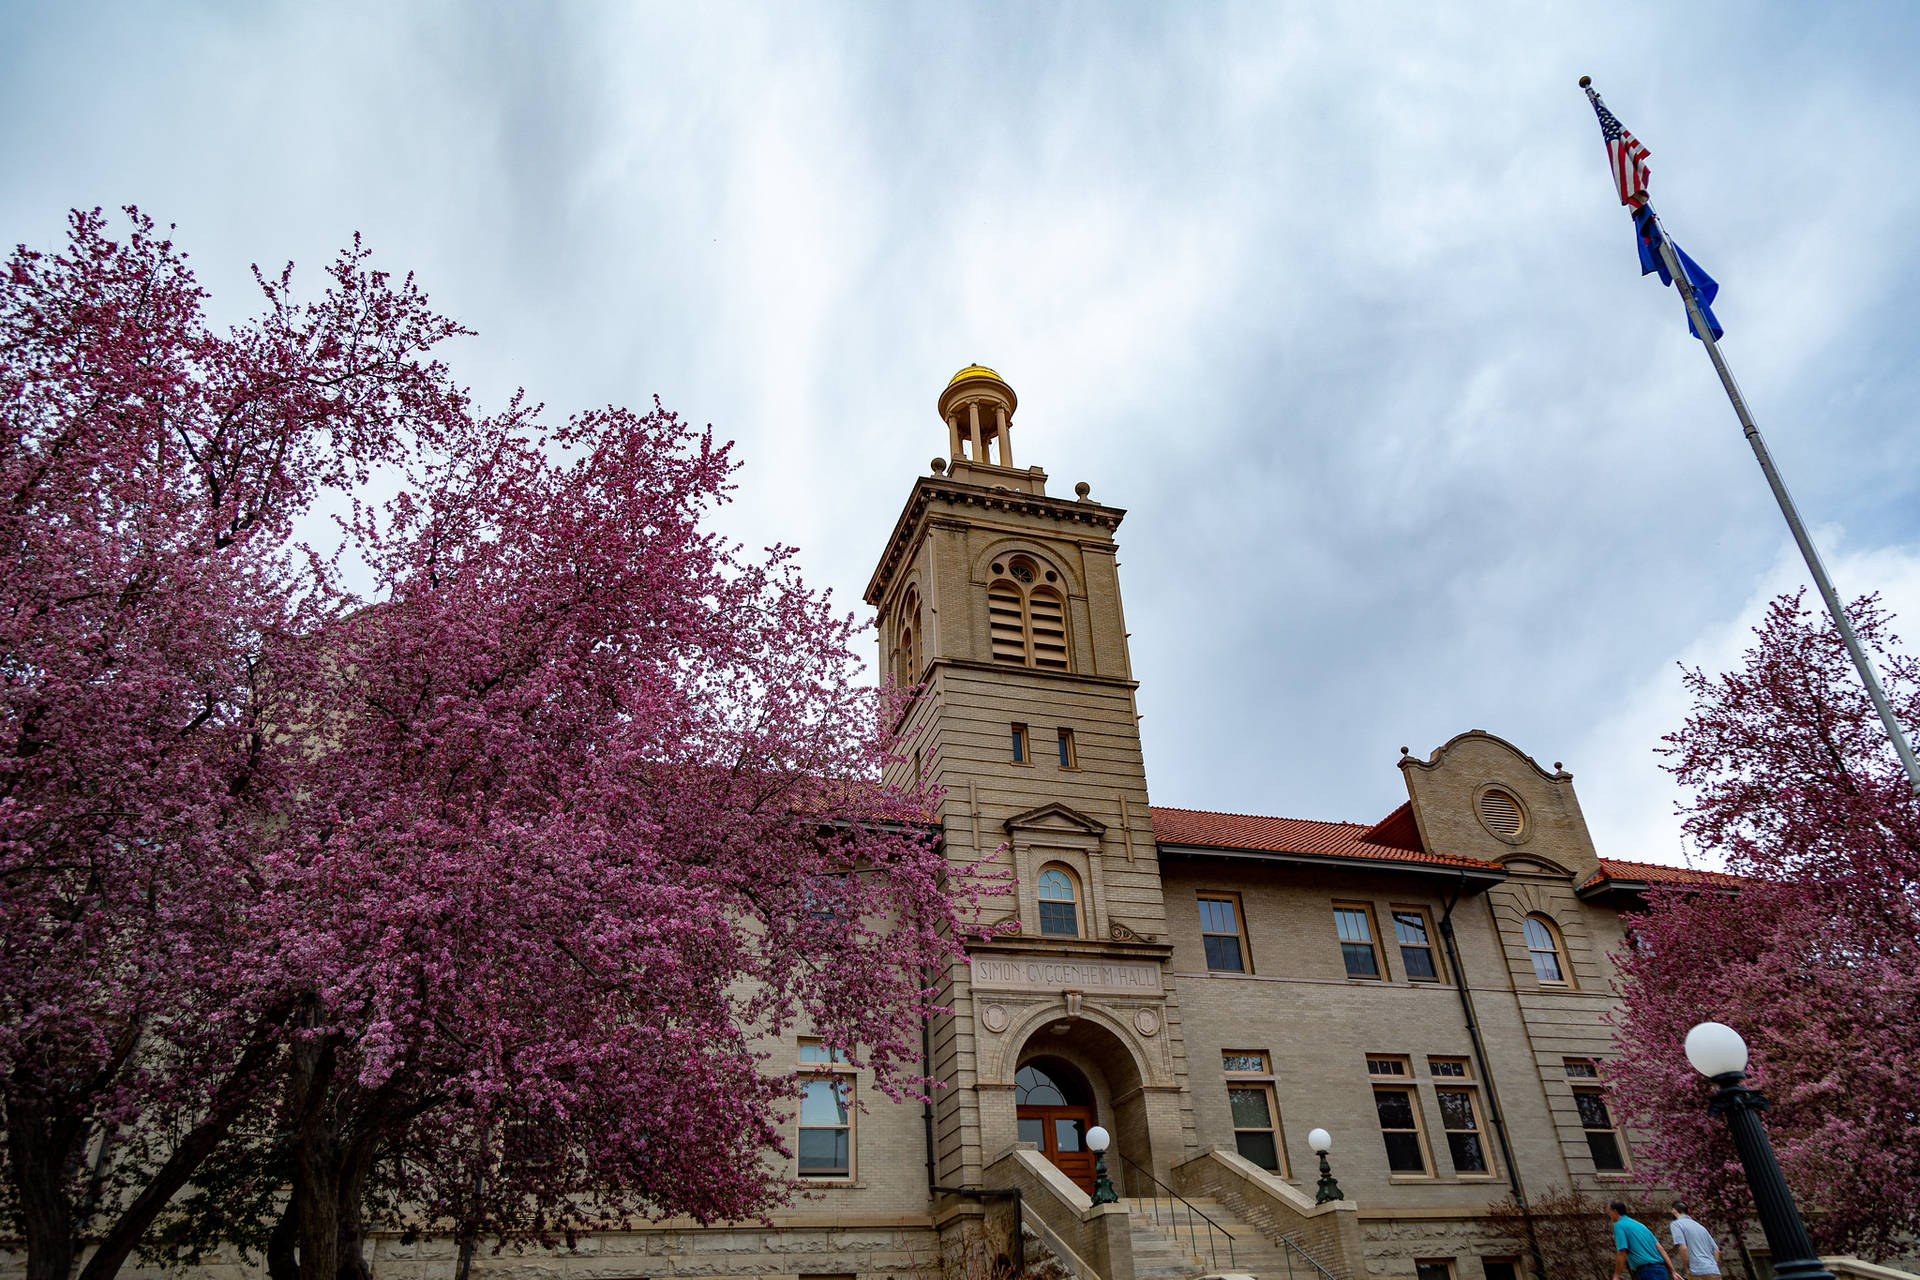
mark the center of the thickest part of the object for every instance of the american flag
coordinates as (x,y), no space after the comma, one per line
(1624,152)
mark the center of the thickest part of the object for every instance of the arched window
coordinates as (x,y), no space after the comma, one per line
(909,629)
(1027,615)
(1549,956)
(1059,914)
(1049,1082)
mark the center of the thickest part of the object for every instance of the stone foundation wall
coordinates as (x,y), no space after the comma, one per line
(1393,1245)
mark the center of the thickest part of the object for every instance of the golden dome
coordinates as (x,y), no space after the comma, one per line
(966,383)
(975,371)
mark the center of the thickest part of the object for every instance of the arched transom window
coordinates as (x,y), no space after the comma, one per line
(1059,913)
(1028,614)
(1543,945)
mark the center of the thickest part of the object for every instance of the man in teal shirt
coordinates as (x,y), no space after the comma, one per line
(1636,1249)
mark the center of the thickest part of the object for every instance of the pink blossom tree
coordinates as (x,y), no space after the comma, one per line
(484,899)
(590,824)
(150,472)
(1816,961)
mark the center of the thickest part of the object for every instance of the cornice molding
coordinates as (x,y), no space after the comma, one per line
(929,489)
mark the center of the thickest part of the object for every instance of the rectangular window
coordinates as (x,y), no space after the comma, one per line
(815,1053)
(1500,1268)
(1411,931)
(1434,1269)
(1398,1109)
(826,1128)
(526,1145)
(1353,921)
(1255,1133)
(1603,1137)
(1020,744)
(1221,933)
(1068,760)
(1256,1118)
(1582,1069)
(1460,1114)
(826,1113)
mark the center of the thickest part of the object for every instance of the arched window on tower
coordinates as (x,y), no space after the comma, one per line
(1027,615)
(1059,913)
(909,629)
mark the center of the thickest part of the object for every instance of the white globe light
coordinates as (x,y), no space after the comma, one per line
(1716,1049)
(1321,1141)
(1097,1139)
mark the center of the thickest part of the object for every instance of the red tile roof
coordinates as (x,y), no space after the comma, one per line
(1398,829)
(1660,873)
(1291,835)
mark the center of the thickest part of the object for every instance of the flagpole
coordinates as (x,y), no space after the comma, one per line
(1684,284)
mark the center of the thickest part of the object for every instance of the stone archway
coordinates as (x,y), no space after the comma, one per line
(1079,1053)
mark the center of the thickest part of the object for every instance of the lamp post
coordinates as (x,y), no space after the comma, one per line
(1103,1192)
(1718,1053)
(1322,1142)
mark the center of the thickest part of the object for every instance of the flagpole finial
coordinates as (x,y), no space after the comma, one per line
(1586,82)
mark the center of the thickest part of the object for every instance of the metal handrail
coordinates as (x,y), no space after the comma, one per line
(1193,1237)
(1311,1260)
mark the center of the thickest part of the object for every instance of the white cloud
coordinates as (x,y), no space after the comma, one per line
(1335,300)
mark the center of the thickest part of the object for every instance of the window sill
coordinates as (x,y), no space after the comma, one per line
(832,1184)
(1412,1177)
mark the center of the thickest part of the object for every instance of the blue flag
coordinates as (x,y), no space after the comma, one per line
(1706,289)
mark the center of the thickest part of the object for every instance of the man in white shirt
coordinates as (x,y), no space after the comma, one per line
(1698,1253)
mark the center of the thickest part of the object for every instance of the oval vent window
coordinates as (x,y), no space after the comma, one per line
(1502,815)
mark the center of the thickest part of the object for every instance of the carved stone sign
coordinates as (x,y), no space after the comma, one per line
(1030,973)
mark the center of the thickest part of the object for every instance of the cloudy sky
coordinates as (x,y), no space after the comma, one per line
(1336,300)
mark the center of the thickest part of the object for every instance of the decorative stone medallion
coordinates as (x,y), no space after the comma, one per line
(1146,1022)
(994,1018)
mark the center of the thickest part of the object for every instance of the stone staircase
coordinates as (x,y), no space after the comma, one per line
(1165,1248)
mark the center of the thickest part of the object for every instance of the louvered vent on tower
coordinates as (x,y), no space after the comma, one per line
(1009,629)
(1502,815)
(1049,631)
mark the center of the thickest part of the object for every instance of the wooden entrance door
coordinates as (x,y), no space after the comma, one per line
(1062,1135)
(1054,1108)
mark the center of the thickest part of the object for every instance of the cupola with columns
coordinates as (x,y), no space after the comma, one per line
(977,407)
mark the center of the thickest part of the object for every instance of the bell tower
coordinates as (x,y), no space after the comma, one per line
(1001,606)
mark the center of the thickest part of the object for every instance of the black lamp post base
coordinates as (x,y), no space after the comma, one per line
(1329,1190)
(1793,1253)
(1103,1192)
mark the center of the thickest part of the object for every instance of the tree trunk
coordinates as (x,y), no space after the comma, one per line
(39,1161)
(316,1187)
(352,1260)
(283,1262)
(124,1232)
